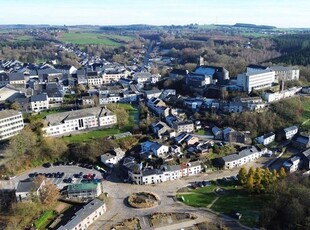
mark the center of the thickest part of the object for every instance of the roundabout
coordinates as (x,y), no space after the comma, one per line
(143,200)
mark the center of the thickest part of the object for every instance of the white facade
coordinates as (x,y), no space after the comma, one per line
(11,123)
(266,139)
(241,158)
(108,78)
(290,132)
(167,173)
(271,97)
(67,122)
(94,81)
(256,80)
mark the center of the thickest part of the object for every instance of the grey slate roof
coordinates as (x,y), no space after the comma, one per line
(16,77)
(26,186)
(8,113)
(39,97)
(82,214)
(239,155)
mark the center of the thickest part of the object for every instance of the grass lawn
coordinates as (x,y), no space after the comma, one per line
(248,205)
(44,219)
(82,38)
(234,199)
(93,135)
(305,119)
(87,136)
(200,132)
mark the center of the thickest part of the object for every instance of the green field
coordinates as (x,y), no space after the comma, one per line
(82,38)
(233,199)
(44,219)
(305,120)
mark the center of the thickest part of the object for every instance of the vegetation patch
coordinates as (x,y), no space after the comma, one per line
(143,200)
(164,219)
(44,219)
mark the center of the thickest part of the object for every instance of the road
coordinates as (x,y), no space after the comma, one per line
(119,210)
(147,55)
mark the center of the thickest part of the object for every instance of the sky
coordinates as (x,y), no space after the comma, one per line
(280,13)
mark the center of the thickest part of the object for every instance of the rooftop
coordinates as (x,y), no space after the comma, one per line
(241,154)
(8,113)
(82,214)
(82,186)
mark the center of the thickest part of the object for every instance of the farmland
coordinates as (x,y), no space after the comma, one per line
(81,38)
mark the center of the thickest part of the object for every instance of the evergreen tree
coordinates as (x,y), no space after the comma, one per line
(242,176)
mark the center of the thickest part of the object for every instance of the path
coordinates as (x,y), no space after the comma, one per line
(211,204)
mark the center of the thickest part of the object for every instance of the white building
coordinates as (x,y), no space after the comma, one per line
(243,157)
(112,157)
(142,77)
(154,147)
(26,189)
(87,215)
(293,164)
(271,96)
(39,102)
(11,123)
(285,73)
(290,132)
(166,173)
(266,139)
(256,80)
(66,122)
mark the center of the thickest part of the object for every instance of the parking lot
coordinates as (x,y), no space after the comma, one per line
(54,173)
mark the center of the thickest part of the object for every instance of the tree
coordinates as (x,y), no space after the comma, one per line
(282,173)
(48,193)
(121,114)
(258,179)
(242,176)
(266,177)
(250,183)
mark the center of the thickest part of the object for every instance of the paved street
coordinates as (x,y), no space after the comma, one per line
(119,210)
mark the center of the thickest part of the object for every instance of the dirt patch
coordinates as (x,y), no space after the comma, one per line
(183,190)
(164,219)
(143,200)
(132,223)
(61,207)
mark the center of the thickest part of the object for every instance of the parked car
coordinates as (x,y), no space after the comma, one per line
(47,165)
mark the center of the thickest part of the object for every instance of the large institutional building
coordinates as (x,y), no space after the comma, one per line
(11,123)
(67,122)
(256,80)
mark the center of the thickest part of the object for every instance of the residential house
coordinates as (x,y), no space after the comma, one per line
(153,93)
(26,189)
(113,75)
(183,126)
(217,133)
(240,158)
(158,107)
(154,147)
(266,139)
(66,122)
(93,79)
(39,102)
(11,123)
(166,173)
(17,79)
(142,77)
(4,79)
(301,141)
(82,191)
(293,164)
(290,132)
(88,100)
(55,98)
(178,74)
(112,157)
(305,158)
(85,216)
(161,129)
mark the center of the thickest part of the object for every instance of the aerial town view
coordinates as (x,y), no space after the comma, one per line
(154,115)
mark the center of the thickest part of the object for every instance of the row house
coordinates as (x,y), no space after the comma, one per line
(240,158)
(165,173)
